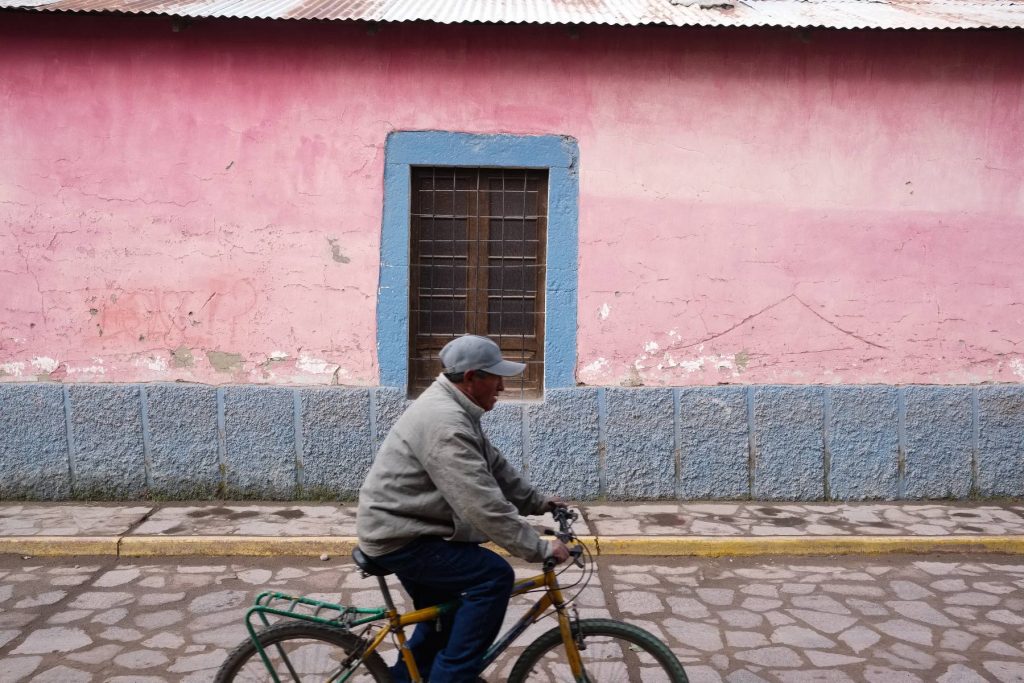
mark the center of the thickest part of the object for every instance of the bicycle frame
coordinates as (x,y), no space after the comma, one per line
(350,617)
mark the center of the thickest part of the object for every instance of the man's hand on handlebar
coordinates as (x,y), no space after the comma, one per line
(553,504)
(559,551)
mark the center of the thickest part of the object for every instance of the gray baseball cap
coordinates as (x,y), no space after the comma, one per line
(477,353)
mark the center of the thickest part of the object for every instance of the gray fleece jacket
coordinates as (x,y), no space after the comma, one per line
(436,474)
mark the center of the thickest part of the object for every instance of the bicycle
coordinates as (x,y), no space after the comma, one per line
(341,646)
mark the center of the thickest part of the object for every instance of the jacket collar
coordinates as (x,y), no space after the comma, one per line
(475,411)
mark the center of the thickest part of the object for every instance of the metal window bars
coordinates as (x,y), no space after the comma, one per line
(478,241)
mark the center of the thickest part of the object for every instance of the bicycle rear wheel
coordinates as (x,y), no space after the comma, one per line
(299,652)
(612,651)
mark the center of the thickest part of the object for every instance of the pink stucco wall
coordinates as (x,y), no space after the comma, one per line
(755,206)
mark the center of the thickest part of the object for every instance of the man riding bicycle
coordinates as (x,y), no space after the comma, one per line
(437,490)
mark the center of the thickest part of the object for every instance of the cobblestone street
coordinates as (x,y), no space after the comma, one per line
(888,619)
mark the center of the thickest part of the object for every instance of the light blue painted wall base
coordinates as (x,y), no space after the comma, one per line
(123,441)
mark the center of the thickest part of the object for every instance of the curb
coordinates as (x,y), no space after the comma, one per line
(749,546)
(59,546)
(610,546)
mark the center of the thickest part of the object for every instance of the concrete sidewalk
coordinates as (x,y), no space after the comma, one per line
(706,529)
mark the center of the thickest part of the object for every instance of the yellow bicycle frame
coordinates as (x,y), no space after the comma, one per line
(552,597)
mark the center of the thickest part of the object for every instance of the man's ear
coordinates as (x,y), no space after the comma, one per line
(468,375)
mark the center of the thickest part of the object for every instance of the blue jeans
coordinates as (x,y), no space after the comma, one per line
(433,571)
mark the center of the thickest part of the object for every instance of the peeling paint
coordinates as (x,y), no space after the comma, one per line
(223,361)
(181,357)
(594,368)
(278,355)
(315,366)
(44,364)
(651,347)
(15,368)
(604,311)
(87,370)
(1017,365)
(154,363)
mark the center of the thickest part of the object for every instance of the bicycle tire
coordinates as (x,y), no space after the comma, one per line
(609,644)
(321,654)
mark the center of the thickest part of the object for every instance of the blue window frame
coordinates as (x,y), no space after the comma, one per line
(559,155)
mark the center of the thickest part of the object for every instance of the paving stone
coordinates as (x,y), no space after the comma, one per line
(1006,672)
(154,599)
(908,654)
(141,659)
(972,598)
(997,647)
(814,676)
(948,586)
(197,662)
(1005,617)
(920,611)
(868,607)
(824,621)
(226,636)
(906,630)
(57,639)
(638,602)
(881,674)
(705,674)
(741,618)
(830,659)
(700,636)
(744,676)
(255,577)
(62,674)
(111,616)
(820,603)
(103,653)
(778,618)
(170,641)
(853,589)
(955,639)
(161,619)
(153,582)
(716,596)
(212,602)
(92,600)
(16,668)
(123,635)
(801,637)
(47,598)
(761,604)
(117,577)
(771,656)
(959,673)
(745,639)
(687,607)
(859,638)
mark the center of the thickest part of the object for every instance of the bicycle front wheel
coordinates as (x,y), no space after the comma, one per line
(299,652)
(611,651)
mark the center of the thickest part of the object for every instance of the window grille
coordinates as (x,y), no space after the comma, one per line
(477,266)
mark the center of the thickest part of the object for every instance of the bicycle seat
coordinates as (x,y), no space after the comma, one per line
(366,563)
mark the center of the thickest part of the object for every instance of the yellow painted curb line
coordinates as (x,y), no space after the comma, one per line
(721,546)
(226,546)
(53,546)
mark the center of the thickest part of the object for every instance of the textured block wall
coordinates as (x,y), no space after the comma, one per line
(118,441)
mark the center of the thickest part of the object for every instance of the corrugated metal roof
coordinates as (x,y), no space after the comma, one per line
(911,14)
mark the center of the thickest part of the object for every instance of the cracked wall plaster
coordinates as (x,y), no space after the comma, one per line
(797,238)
